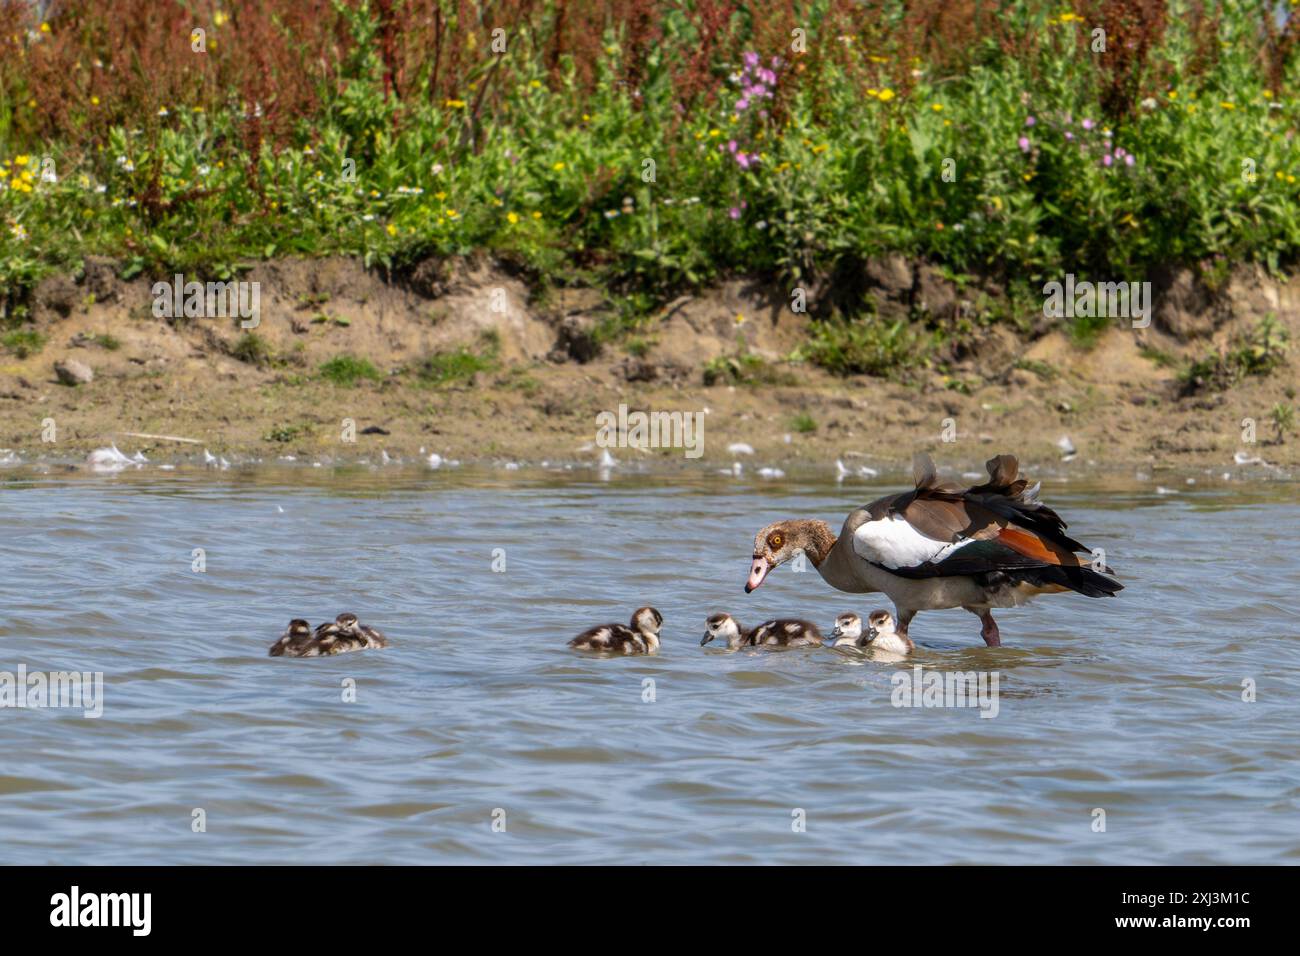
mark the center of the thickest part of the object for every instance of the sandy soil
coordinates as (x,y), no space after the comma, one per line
(1114,403)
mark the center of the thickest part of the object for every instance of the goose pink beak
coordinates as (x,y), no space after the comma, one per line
(757,572)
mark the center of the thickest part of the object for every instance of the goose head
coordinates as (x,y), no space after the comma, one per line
(779,542)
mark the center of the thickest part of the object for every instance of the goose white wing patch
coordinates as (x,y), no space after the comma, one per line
(893,543)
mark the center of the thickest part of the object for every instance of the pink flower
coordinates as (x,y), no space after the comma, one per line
(742,105)
(1030,121)
(1107,159)
(1128,159)
(751,59)
(1023,143)
(732,145)
(1069,136)
(734,212)
(743,160)
(1087,124)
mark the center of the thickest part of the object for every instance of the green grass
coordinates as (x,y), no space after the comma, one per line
(866,345)
(287,433)
(107,341)
(453,367)
(253,349)
(803,423)
(348,370)
(23,342)
(1260,352)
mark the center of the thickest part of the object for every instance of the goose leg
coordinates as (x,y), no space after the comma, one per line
(904,619)
(989,630)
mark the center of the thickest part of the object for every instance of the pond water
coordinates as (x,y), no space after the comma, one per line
(209,751)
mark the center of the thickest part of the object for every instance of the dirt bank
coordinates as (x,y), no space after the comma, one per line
(516,375)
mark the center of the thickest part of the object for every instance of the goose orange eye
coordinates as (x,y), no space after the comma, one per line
(776,541)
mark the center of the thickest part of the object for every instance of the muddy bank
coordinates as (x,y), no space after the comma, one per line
(467,361)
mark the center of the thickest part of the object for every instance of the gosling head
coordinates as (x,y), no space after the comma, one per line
(723,627)
(647,620)
(299,628)
(879,624)
(347,622)
(848,630)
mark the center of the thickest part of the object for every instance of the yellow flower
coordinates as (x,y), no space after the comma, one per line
(715,132)
(21,159)
(512,218)
(535,84)
(440,196)
(452,214)
(45,28)
(391,229)
(820,149)
(937,107)
(455,104)
(557,166)
(536,214)
(94,101)
(886,95)
(1173,94)
(740,318)
(220,18)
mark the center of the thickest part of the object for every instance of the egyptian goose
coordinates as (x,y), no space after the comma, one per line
(942,546)
(642,637)
(777,633)
(339,636)
(880,635)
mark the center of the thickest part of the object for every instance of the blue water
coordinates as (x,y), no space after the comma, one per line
(478,712)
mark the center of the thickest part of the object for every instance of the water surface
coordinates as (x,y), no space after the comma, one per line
(1131,705)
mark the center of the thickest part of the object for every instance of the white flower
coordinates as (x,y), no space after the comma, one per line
(436,169)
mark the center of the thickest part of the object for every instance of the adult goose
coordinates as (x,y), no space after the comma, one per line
(939,545)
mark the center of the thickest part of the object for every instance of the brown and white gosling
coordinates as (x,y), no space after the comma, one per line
(339,636)
(642,637)
(295,639)
(784,632)
(881,633)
